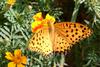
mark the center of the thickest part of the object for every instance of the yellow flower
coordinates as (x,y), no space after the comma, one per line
(38,17)
(40,21)
(36,26)
(11,2)
(17,60)
(50,18)
(36,23)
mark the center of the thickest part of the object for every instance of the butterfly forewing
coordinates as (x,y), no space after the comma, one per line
(41,42)
(68,33)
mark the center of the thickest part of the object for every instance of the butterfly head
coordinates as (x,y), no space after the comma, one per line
(40,22)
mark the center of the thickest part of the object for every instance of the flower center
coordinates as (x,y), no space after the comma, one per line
(17,60)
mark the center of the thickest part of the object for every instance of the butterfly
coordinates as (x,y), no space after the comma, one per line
(58,37)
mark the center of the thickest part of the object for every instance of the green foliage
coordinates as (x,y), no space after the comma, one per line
(15,31)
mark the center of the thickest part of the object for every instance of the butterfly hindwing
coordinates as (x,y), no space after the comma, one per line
(60,43)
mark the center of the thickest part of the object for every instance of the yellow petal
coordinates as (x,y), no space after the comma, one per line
(11,64)
(33,24)
(36,23)
(17,53)
(20,65)
(9,56)
(45,22)
(38,17)
(50,18)
(24,59)
(11,2)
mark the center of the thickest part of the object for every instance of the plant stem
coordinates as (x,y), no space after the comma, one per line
(62,60)
(54,64)
(75,12)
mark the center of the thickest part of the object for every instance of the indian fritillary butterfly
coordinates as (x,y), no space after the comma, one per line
(64,35)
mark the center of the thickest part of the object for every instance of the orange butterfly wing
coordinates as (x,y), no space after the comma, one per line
(67,34)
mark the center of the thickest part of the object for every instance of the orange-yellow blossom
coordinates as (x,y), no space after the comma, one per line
(40,22)
(38,17)
(17,60)
(11,2)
